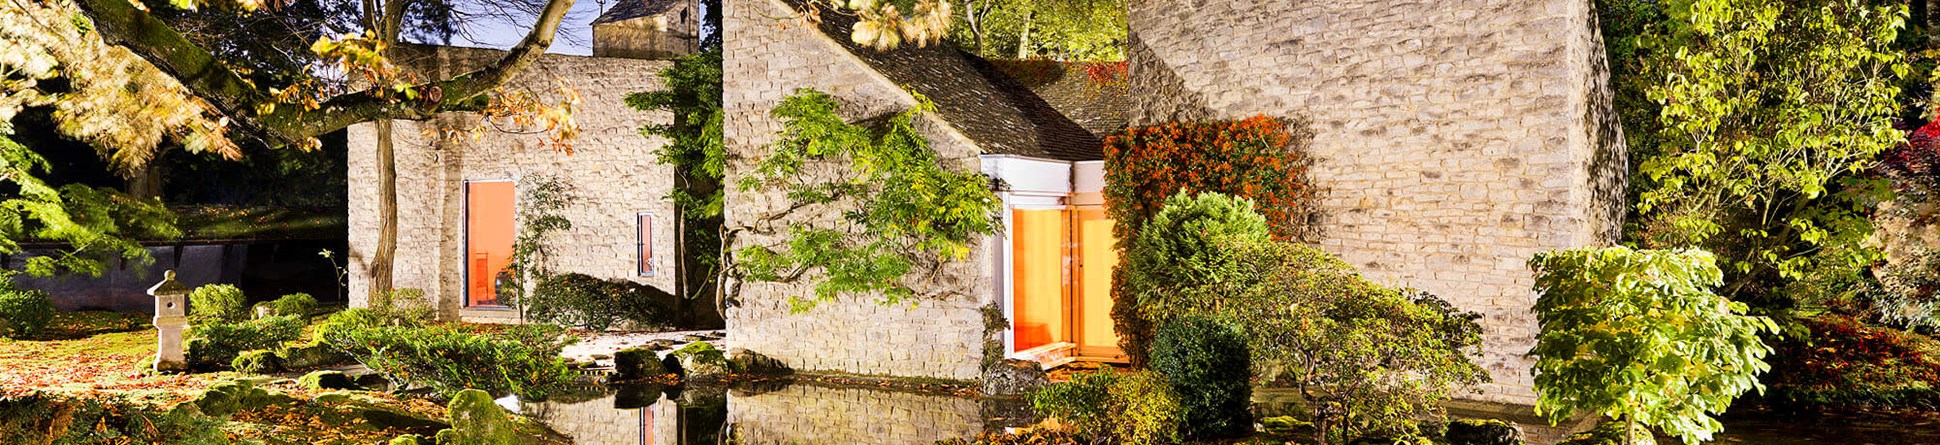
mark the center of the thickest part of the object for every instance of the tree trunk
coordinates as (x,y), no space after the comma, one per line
(380,261)
(1024,37)
(147,182)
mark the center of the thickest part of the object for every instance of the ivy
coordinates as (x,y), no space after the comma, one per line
(541,207)
(900,210)
(1639,336)
(694,147)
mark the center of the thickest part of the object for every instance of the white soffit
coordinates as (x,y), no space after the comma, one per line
(1026,176)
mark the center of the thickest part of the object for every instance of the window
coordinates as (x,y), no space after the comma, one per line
(488,240)
(643,244)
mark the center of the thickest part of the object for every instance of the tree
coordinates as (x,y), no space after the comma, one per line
(695,148)
(1769,112)
(903,213)
(1637,335)
(372,90)
(1071,30)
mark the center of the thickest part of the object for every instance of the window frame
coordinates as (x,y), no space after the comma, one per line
(465,243)
(643,264)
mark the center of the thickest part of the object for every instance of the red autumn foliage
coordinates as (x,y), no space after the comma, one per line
(1107,73)
(1919,157)
(1254,158)
(1846,361)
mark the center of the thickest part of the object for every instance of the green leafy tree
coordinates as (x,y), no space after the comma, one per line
(1183,246)
(902,211)
(1769,110)
(694,147)
(1071,30)
(1638,335)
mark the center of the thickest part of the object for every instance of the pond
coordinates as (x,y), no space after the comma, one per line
(814,413)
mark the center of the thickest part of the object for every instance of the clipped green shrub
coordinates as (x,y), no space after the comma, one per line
(256,362)
(1184,245)
(217,303)
(24,313)
(595,304)
(636,363)
(1206,363)
(299,304)
(521,359)
(323,380)
(216,345)
(298,357)
(401,307)
(347,320)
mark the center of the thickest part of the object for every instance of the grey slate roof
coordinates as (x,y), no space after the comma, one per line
(633,9)
(993,109)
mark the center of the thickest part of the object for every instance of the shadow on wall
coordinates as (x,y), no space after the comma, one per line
(264,271)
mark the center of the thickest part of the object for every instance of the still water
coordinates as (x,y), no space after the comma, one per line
(813,413)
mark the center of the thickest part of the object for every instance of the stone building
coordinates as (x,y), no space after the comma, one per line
(1454,140)
(458,195)
(647,29)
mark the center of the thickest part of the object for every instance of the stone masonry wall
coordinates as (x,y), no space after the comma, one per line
(807,414)
(1456,139)
(612,168)
(768,56)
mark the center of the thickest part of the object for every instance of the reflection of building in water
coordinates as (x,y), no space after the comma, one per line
(808,414)
(636,415)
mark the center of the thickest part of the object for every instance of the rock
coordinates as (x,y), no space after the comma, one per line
(374,382)
(411,439)
(322,380)
(228,398)
(601,357)
(311,357)
(476,420)
(700,361)
(257,362)
(1610,433)
(694,338)
(637,363)
(754,363)
(1483,432)
(1013,377)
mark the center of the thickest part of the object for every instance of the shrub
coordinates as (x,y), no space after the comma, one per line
(1081,404)
(1483,432)
(581,300)
(1185,245)
(300,305)
(1371,360)
(1146,410)
(1639,336)
(215,345)
(1843,362)
(1119,408)
(41,418)
(519,359)
(1612,433)
(1206,364)
(347,320)
(24,313)
(1256,158)
(401,307)
(217,303)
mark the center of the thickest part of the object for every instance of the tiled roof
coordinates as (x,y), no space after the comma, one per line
(633,9)
(993,109)
(1099,106)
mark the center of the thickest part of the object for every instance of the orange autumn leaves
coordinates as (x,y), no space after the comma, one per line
(1255,158)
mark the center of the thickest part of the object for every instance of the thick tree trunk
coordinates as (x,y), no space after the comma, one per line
(381,259)
(147,182)
(1024,37)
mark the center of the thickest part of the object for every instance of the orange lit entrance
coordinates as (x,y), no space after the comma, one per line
(488,239)
(1061,284)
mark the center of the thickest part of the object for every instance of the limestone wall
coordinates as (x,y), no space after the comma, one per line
(612,168)
(1456,139)
(806,414)
(769,56)
(675,32)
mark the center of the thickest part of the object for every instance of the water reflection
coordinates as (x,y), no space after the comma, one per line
(770,413)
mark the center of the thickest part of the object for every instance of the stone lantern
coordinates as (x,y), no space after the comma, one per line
(171,308)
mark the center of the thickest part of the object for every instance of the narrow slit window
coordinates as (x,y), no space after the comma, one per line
(643,244)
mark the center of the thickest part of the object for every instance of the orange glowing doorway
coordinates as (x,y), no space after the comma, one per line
(1061,270)
(488,239)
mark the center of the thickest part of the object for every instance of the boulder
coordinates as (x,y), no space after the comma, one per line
(1610,433)
(323,380)
(257,362)
(1483,432)
(751,362)
(476,420)
(701,361)
(227,398)
(637,363)
(1013,377)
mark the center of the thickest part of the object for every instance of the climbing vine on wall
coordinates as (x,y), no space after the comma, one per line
(541,205)
(899,211)
(694,147)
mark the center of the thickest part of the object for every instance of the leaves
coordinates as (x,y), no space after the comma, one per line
(900,209)
(1638,335)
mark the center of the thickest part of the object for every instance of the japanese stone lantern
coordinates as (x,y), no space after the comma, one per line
(171,308)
